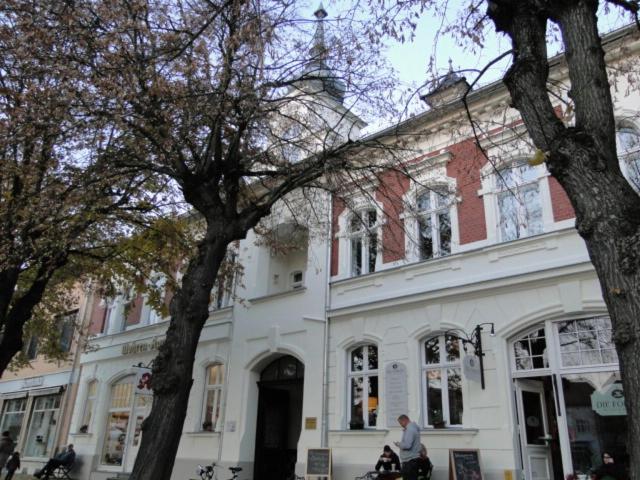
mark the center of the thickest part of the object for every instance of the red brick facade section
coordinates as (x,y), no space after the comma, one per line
(393,186)
(562,209)
(464,166)
(338,207)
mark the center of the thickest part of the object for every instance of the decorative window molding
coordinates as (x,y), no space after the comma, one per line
(517,200)
(363,387)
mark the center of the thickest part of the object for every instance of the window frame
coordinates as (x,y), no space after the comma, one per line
(500,188)
(24,402)
(629,156)
(365,234)
(216,387)
(366,373)
(433,212)
(33,410)
(128,379)
(443,368)
(89,404)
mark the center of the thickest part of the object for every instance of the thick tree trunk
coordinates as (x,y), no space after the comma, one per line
(583,159)
(173,367)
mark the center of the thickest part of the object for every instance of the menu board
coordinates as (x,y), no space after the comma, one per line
(396,392)
(318,462)
(464,464)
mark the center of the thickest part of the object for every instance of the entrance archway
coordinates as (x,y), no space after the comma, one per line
(279,418)
(569,397)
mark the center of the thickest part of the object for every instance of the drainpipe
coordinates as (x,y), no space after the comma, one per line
(325,361)
(74,376)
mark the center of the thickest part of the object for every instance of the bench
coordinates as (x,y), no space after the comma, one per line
(62,472)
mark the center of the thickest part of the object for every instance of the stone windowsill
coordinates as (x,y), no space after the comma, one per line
(202,433)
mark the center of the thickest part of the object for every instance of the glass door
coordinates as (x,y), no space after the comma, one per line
(142,408)
(533,424)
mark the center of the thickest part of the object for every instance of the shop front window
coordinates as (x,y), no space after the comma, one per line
(42,426)
(363,387)
(596,419)
(12,416)
(118,421)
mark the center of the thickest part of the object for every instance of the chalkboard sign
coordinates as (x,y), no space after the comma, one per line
(464,464)
(318,462)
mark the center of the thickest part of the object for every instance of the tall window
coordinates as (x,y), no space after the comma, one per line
(118,421)
(519,205)
(13,415)
(442,380)
(363,387)
(89,405)
(364,242)
(213,398)
(42,426)
(67,325)
(434,224)
(628,145)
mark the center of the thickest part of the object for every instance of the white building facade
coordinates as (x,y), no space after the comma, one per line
(325,345)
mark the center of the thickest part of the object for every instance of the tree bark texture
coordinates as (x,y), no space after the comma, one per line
(583,159)
(173,367)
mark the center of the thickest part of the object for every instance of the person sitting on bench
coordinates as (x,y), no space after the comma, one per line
(388,460)
(63,459)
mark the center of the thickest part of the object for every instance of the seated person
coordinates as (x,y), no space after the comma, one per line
(64,458)
(609,470)
(424,464)
(388,460)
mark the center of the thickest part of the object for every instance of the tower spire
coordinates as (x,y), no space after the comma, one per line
(319,49)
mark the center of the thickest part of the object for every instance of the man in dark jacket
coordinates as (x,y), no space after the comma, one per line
(6,447)
(64,458)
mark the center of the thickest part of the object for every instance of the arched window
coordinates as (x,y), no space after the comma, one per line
(442,381)
(119,414)
(89,405)
(519,203)
(628,146)
(213,398)
(364,242)
(363,387)
(434,223)
(530,350)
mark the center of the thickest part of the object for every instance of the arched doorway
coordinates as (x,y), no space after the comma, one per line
(279,418)
(569,397)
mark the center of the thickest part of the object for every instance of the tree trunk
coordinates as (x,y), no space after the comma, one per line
(173,367)
(584,160)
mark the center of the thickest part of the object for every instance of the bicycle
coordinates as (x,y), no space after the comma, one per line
(208,472)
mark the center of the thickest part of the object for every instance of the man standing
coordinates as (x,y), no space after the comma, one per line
(6,447)
(64,458)
(409,447)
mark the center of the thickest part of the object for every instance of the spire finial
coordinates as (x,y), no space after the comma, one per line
(450,65)
(320,12)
